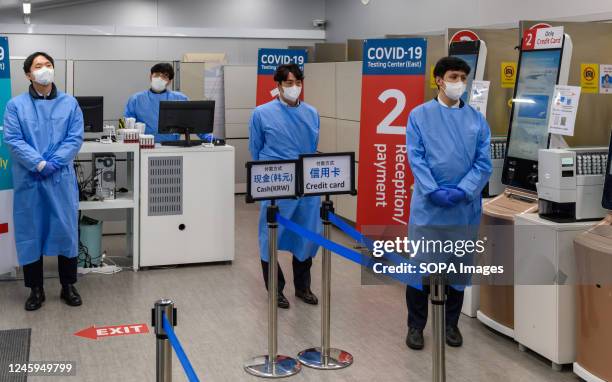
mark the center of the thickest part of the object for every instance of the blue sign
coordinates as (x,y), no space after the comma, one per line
(394,56)
(6,179)
(269,59)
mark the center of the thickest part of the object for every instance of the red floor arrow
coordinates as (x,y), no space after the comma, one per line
(4,228)
(94,333)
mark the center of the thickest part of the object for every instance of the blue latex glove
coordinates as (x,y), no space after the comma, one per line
(50,169)
(441,198)
(456,195)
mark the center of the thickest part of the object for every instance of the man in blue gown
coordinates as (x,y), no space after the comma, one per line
(144,106)
(448,149)
(283,129)
(43,129)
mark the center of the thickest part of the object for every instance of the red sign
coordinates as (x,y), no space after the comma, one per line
(464,35)
(267,62)
(94,333)
(393,84)
(539,26)
(4,228)
(543,38)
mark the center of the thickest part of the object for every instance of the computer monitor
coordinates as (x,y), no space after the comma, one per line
(93,113)
(186,117)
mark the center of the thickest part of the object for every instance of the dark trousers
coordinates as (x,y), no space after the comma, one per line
(418,304)
(33,273)
(301,274)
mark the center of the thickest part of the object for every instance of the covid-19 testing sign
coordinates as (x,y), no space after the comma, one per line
(267,62)
(392,85)
(8,259)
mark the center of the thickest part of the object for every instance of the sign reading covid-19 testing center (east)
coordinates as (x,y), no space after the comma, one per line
(271,180)
(8,259)
(267,62)
(393,84)
(327,174)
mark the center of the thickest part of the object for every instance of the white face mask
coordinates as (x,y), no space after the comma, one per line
(454,90)
(293,93)
(158,84)
(43,76)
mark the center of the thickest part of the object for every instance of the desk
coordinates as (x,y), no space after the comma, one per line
(129,200)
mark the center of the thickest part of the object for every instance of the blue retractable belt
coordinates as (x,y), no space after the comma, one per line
(178,349)
(354,256)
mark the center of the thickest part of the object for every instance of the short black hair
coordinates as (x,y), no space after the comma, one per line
(449,63)
(164,68)
(282,72)
(27,64)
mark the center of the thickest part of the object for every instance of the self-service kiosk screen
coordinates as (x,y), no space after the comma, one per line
(538,74)
(472,60)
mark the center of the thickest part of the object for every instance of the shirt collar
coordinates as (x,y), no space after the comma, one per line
(162,92)
(457,105)
(34,94)
(286,104)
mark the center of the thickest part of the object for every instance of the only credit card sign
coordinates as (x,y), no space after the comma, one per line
(270,180)
(328,174)
(543,38)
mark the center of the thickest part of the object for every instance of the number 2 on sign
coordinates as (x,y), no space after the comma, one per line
(385,126)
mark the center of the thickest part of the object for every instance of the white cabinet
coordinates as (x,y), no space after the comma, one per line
(187,205)
(544,292)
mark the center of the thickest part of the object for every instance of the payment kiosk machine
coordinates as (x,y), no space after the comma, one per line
(543,63)
(593,255)
(475,54)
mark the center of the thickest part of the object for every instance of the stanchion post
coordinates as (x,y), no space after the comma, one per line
(437,294)
(164,348)
(326,357)
(272,365)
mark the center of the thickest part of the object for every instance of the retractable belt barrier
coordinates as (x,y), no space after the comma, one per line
(164,319)
(414,280)
(180,353)
(437,282)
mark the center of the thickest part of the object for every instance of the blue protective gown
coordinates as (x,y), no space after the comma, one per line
(144,106)
(447,147)
(278,131)
(45,211)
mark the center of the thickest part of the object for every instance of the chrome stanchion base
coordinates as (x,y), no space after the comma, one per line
(338,359)
(261,367)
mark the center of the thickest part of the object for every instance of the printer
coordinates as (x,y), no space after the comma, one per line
(570,183)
